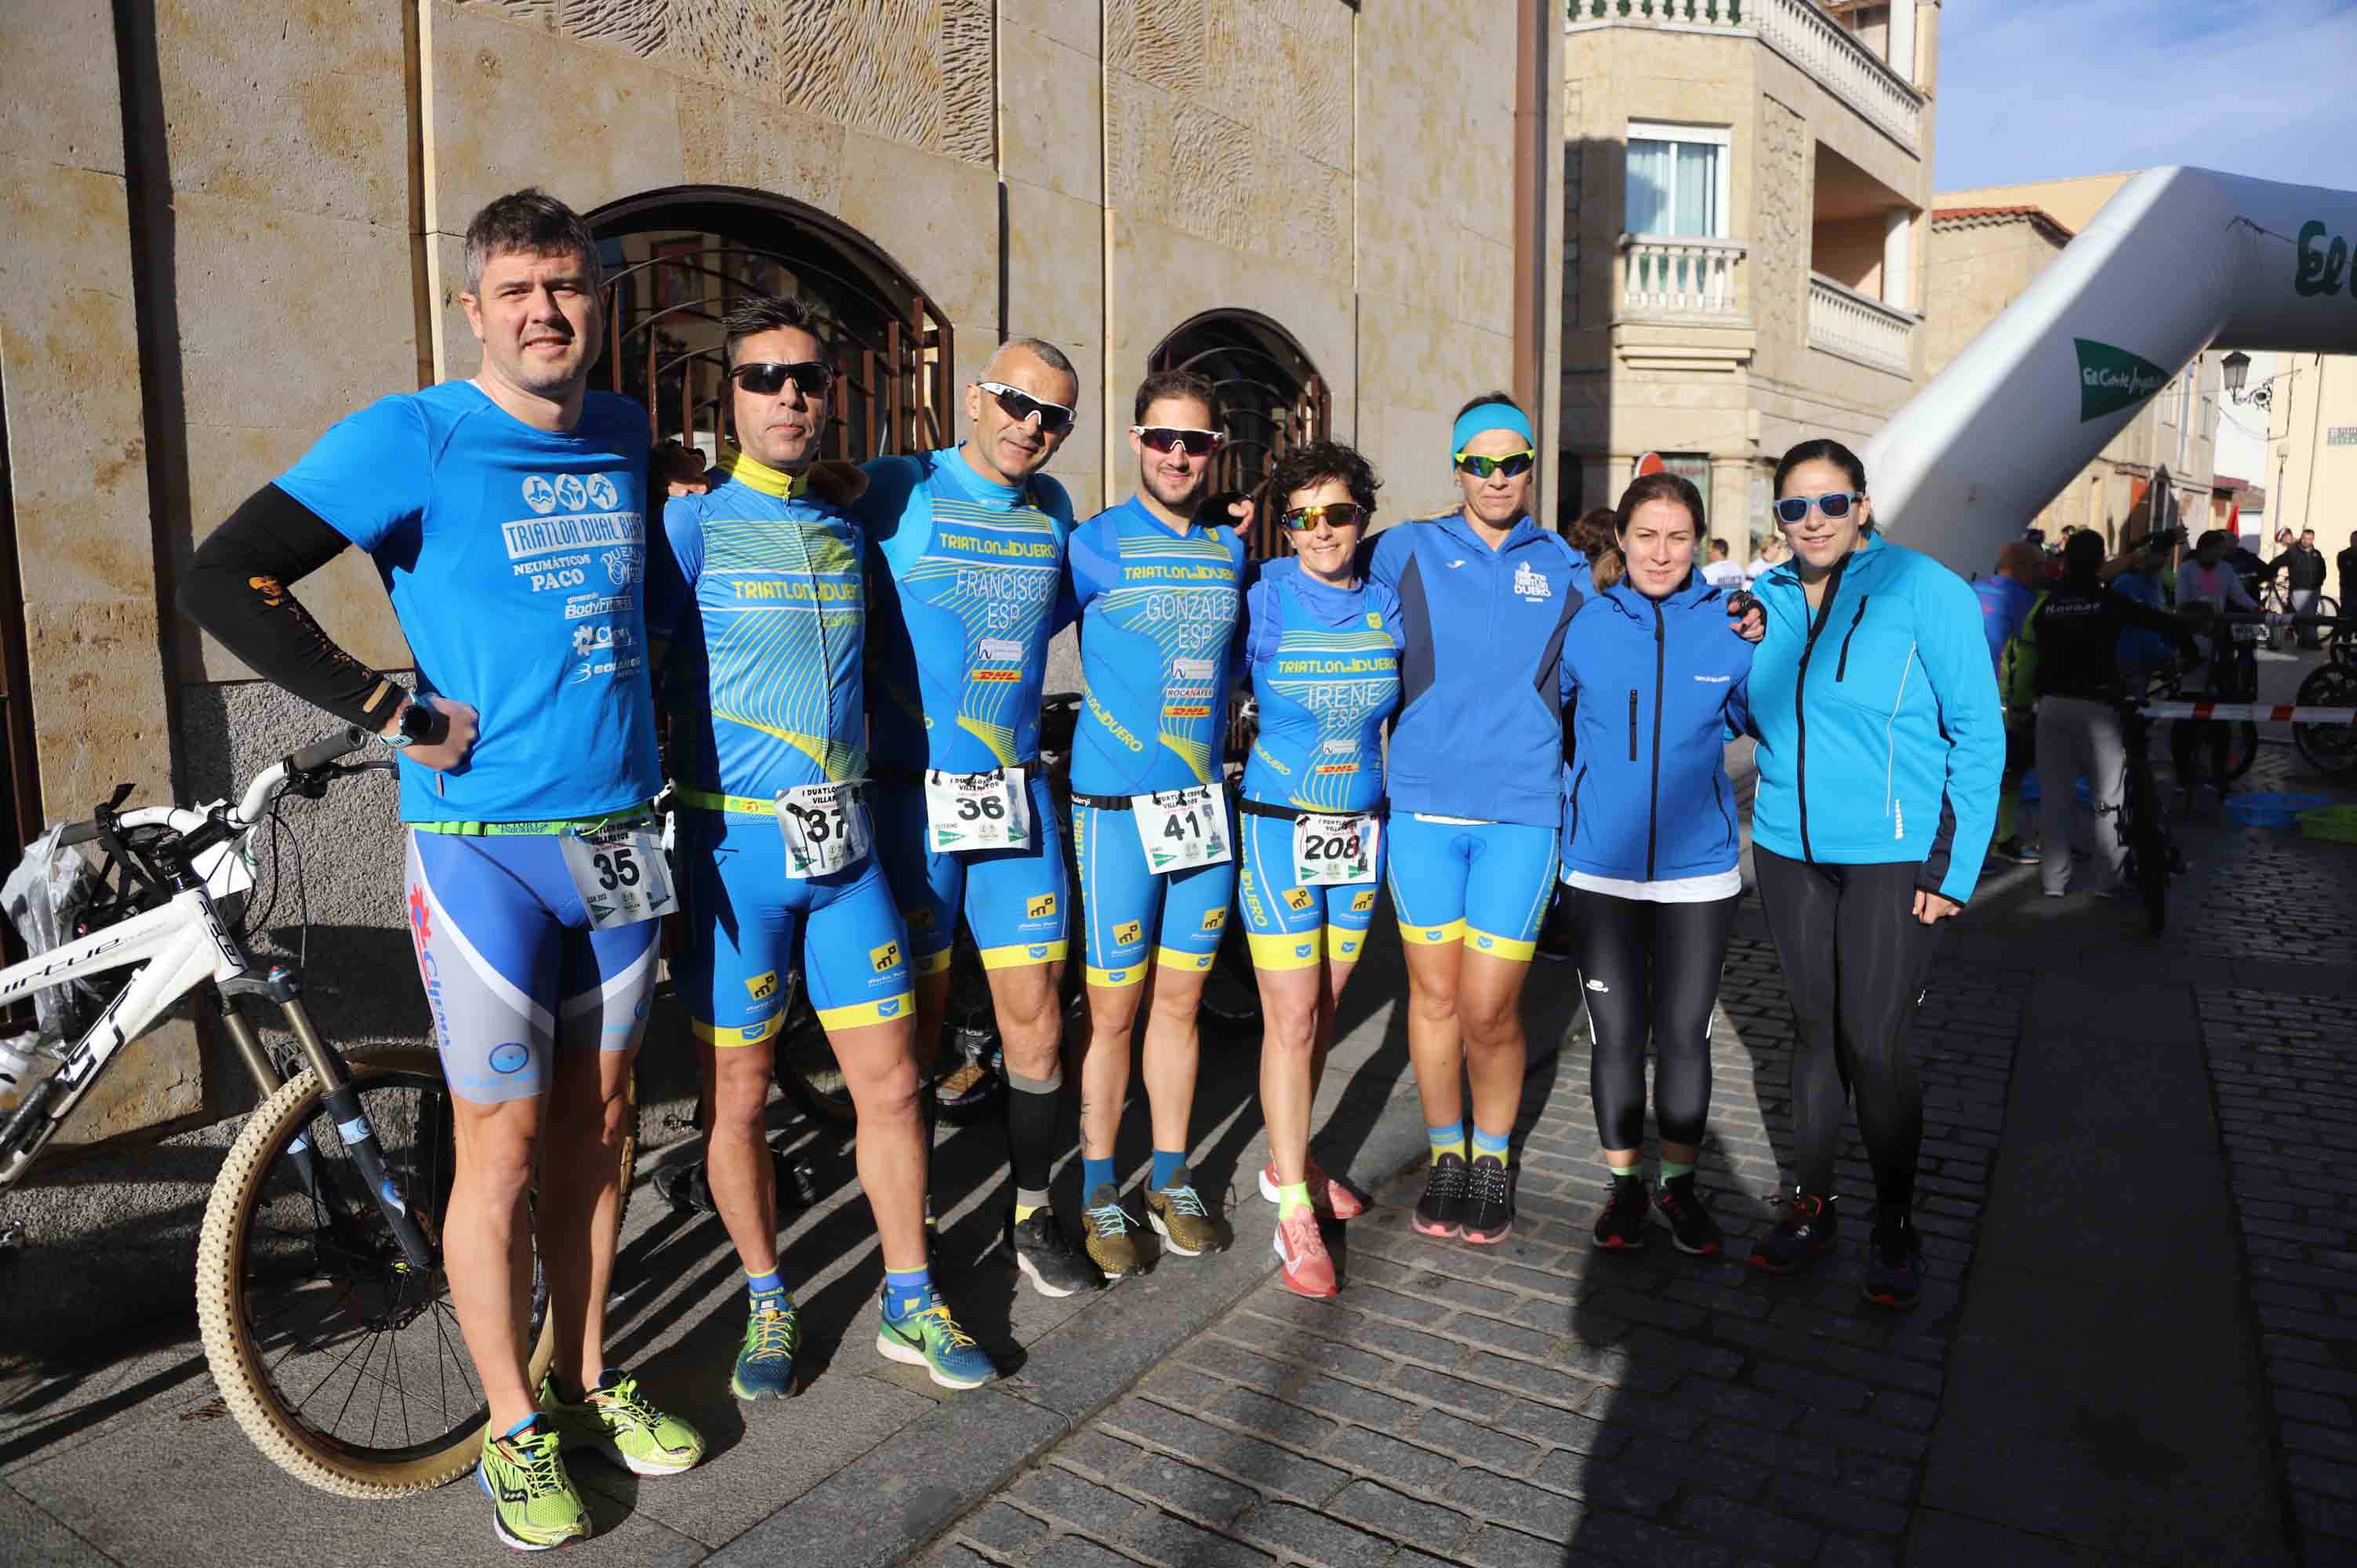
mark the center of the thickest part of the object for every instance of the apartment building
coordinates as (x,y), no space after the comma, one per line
(1745,194)
(1986,247)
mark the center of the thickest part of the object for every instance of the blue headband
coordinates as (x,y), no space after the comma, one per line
(1488,416)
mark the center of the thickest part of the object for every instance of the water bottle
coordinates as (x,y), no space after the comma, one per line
(20,1065)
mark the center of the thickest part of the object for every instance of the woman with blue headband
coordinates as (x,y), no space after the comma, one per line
(1476,786)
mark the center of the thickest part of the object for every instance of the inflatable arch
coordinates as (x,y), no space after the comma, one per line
(2180,260)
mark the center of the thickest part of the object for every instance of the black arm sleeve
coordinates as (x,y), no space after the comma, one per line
(237,589)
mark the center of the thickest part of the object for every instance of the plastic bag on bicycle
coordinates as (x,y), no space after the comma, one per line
(48,899)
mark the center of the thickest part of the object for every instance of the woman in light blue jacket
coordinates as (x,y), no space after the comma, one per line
(1882,743)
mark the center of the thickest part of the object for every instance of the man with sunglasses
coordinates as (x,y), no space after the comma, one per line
(755,610)
(965,566)
(1475,789)
(1158,591)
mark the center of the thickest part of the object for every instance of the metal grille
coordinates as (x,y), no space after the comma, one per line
(677,261)
(1272,395)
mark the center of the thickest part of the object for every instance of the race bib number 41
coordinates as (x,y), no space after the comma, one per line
(824,827)
(970,812)
(1181,829)
(620,873)
(1334,852)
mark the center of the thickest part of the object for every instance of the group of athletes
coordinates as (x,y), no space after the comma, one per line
(853,660)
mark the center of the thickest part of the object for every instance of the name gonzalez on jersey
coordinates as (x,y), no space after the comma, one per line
(577,525)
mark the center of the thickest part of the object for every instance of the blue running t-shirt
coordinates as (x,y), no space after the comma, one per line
(1158,610)
(1324,667)
(758,593)
(514,558)
(964,577)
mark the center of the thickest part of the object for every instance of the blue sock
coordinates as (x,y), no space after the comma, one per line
(519,1425)
(907,1291)
(768,1290)
(1448,1140)
(1092,1172)
(1167,1163)
(1488,1145)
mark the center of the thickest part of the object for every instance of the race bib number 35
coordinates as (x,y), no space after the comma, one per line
(824,827)
(1333,851)
(620,873)
(1181,829)
(970,812)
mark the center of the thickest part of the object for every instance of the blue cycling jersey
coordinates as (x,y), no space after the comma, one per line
(513,557)
(964,578)
(1158,610)
(757,596)
(1324,665)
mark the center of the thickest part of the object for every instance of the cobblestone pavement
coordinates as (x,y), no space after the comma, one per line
(1542,1400)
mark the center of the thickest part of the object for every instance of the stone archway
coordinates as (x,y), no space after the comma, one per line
(1273,395)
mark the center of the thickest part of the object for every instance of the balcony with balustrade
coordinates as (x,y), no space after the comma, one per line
(1681,304)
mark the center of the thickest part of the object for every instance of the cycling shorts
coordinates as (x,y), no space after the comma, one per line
(1293,927)
(1483,884)
(1013,900)
(511,968)
(746,918)
(1178,915)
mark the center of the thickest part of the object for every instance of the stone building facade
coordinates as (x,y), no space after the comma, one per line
(1746,193)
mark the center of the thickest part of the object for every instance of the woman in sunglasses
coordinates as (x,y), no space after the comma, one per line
(1881,742)
(1477,790)
(1321,650)
(1650,844)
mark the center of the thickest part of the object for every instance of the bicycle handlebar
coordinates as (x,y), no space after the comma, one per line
(300,763)
(326,748)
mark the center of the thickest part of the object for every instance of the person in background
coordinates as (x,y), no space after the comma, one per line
(2347,561)
(2302,567)
(1722,573)
(2208,578)
(2139,568)
(2005,597)
(1765,555)
(2076,629)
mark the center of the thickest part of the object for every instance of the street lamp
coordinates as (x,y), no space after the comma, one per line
(2236,370)
(2237,367)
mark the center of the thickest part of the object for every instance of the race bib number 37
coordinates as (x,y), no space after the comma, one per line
(1334,852)
(824,827)
(970,812)
(1181,829)
(620,873)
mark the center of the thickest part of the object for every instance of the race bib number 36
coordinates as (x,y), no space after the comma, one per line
(824,827)
(1181,829)
(620,873)
(970,812)
(1333,851)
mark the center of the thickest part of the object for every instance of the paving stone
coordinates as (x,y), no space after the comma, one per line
(1404,1463)
(1389,1514)
(1002,1529)
(1178,1543)
(1058,1492)
(1475,1442)
(1312,1537)
(1214,1499)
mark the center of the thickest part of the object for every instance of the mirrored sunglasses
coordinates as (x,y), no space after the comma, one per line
(1336,514)
(1163,437)
(1512,464)
(1021,406)
(1834,504)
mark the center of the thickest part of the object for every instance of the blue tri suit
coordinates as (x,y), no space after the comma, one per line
(1477,750)
(514,558)
(1158,609)
(965,583)
(1324,666)
(755,604)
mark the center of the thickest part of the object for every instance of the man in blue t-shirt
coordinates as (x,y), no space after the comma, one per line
(506,515)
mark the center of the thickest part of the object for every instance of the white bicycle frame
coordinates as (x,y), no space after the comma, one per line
(179,946)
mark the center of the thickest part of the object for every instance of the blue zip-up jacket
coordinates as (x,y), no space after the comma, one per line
(1659,682)
(1881,737)
(1480,731)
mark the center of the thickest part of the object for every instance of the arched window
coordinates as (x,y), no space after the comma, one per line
(1273,396)
(676,260)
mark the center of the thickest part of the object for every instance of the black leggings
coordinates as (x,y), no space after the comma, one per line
(1650,970)
(1855,959)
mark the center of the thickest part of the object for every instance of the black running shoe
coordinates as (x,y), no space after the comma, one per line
(1894,1267)
(1047,1256)
(1690,1226)
(1805,1229)
(1488,1202)
(2014,849)
(1441,1210)
(1621,1227)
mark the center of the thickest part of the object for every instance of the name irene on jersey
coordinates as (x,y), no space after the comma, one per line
(536,535)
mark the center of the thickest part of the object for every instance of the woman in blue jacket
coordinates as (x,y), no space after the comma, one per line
(1881,744)
(1650,844)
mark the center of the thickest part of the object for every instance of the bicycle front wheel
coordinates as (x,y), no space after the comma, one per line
(2328,748)
(343,1363)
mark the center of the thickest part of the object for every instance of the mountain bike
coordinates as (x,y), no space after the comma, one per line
(2329,749)
(2153,857)
(321,1290)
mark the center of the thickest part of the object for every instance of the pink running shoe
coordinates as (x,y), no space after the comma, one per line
(1308,1267)
(1332,1200)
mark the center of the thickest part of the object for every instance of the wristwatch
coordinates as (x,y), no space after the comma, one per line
(420,726)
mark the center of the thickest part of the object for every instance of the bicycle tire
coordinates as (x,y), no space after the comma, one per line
(805,1066)
(2242,751)
(240,1372)
(2328,748)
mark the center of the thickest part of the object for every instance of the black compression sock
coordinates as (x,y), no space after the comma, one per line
(1034,1106)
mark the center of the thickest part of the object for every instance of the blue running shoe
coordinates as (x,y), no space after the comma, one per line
(765,1364)
(929,1336)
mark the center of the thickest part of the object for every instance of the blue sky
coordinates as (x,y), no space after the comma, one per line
(2047,89)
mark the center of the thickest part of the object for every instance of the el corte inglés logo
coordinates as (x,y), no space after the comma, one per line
(2112,379)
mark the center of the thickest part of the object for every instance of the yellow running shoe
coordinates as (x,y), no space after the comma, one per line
(533,1504)
(616,1422)
(1178,1217)
(1107,1227)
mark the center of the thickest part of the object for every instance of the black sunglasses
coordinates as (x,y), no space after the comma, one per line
(1020,406)
(1163,437)
(767,378)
